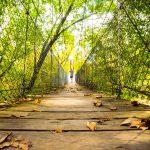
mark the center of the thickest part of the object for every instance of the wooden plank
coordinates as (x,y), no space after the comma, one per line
(75,125)
(116,140)
(75,115)
(70,108)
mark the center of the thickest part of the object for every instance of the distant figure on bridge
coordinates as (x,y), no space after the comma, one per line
(71,74)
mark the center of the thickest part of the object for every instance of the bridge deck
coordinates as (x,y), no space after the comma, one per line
(69,110)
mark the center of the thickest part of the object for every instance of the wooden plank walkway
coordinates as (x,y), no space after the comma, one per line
(69,110)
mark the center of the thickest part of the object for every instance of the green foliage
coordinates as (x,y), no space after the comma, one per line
(120,59)
(109,45)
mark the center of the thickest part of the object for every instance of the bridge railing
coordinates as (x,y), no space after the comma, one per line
(119,61)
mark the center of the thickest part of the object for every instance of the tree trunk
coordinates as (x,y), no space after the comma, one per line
(46,50)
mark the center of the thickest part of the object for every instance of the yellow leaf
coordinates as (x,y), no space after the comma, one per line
(91,125)
(58,131)
(38,101)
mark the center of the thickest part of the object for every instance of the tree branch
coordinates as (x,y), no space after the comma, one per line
(79,20)
(45,51)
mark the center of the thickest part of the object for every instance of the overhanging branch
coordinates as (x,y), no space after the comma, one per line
(77,21)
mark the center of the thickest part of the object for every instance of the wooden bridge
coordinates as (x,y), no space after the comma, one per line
(58,121)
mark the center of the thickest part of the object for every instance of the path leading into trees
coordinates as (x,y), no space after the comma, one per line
(67,111)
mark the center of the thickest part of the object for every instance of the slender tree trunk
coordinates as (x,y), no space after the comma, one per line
(46,49)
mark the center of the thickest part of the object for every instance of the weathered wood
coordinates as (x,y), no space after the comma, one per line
(75,125)
(75,115)
(70,112)
(110,140)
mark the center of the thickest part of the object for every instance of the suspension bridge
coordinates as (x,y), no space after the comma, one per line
(103,45)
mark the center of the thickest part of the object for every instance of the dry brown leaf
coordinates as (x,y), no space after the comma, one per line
(113,108)
(10,141)
(91,125)
(3,138)
(5,144)
(98,103)
(98,97)
(135,124)
(94,103)
(22,144)
(58,131)
(37,101)
(143,128)
(128,121)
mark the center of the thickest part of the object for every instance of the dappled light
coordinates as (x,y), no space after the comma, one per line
(74,74)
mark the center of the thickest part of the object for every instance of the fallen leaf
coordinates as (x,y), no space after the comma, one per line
(38,101)
(11,141)
(5,144)
(3,138)
(58,131)
(135,124)
(144,128)
(128,121)
(98,97)
(91,125)
(113,108)
(98,103)
(23,144)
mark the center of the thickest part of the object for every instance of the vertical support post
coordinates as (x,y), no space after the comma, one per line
(84,69)
(92,83)
(58,72)
(119,89)
(25,51)
(51,68)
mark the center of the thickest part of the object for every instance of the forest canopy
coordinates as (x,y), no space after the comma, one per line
(39,38)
